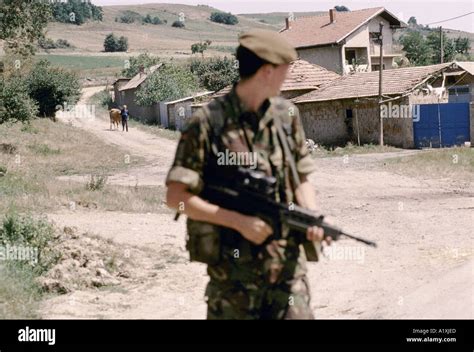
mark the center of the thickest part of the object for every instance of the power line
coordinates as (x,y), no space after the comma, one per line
(449,19)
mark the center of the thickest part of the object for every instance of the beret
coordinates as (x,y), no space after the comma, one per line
(269,46)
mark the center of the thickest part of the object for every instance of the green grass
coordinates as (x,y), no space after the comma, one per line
(80,62)
(437,163)
(19,290)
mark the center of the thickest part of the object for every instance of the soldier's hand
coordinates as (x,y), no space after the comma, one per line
(316,234)
(253,229)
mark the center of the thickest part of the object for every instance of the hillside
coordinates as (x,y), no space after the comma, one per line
(160,39)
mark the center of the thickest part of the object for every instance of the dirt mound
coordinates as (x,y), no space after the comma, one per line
(86,261)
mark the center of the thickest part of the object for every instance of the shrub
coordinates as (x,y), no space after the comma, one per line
(113,44)
(225,18)
(52,87)
(15,103)
(130,17)
(96,182)
(35,233)
(178,24)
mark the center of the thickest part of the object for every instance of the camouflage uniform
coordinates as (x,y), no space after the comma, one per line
(261,282)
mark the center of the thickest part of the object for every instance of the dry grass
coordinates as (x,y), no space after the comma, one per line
(454,163)
(351,149)
(46,150)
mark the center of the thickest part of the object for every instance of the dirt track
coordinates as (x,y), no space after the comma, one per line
(423,267)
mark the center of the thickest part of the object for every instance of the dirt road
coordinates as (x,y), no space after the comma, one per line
(423,267)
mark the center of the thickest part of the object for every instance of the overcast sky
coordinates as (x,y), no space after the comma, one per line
(425,11)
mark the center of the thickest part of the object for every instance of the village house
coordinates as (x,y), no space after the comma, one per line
(348,108)
(125,94)
(345,42)
(302,78)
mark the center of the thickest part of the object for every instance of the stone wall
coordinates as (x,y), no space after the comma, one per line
(328,123)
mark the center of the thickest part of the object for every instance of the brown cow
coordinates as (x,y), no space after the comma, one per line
(115,118)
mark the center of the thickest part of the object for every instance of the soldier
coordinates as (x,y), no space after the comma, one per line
(250,277)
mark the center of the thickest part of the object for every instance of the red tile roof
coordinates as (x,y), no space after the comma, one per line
(395,81)
(302,75)
(317,30)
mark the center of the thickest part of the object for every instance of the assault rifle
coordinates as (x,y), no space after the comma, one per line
(251,192)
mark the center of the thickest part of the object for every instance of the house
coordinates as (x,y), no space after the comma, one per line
(302,78)
(461,83)
(337,40)
(347,109)
(175,113)
(125,94)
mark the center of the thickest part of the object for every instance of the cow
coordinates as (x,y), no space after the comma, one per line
(115,118)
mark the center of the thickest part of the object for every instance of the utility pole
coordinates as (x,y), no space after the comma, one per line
(380,83)
(441,44)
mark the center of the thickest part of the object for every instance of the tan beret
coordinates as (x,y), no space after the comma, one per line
(269,46)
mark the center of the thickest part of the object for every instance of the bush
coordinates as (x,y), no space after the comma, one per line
(156,21)
(37,234)
(52,87)
(216,73)
(47,43)
(96,182)
(122,44)
(3,170)
(135,62)
(15,103)
(130,17)
(225,18)
(178,24)
(169,83)
(113,44)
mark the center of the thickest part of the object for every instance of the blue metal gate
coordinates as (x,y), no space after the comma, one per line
(442,125)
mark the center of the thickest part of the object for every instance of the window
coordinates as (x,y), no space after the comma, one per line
(350,56)
(348,113)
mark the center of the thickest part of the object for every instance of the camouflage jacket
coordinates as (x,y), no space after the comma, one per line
(283,260)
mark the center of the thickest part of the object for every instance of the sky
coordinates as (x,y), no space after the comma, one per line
(425,11)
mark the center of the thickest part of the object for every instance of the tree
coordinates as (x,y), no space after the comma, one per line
(462,45)
(434,43)
(169,83)
(200,47)
(22,23)
(216,73)
(416,48)
(412,21)
(225,18)
(341,8)
(122,44)
(133,64)
(76,11)
(111,43)
(52,87)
